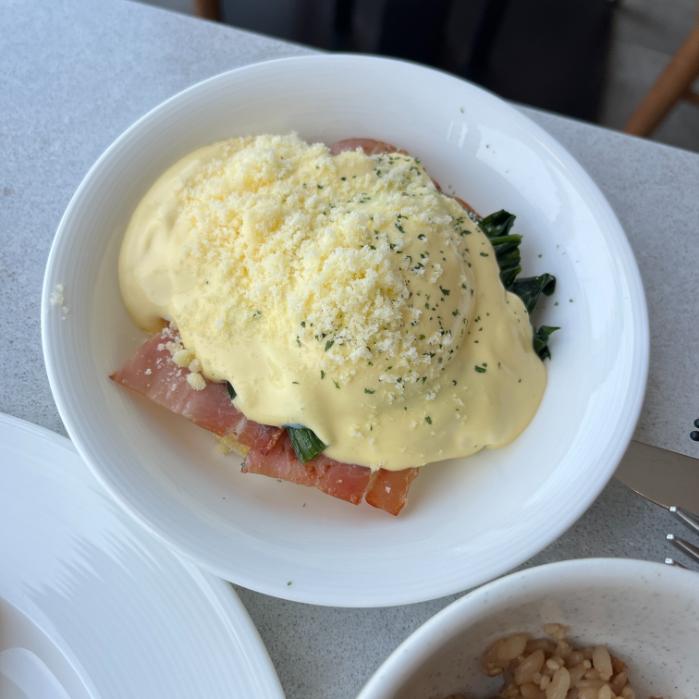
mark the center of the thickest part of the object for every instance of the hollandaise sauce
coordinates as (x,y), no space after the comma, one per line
(344,293)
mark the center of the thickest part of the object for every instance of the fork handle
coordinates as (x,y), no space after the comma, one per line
(688,518)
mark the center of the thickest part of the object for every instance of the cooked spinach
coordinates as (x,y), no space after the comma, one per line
(305,443)
(541,340)
(529,289)
(497,228)
(497,224)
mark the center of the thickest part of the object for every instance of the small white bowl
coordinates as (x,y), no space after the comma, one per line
(646,613)
(467,520)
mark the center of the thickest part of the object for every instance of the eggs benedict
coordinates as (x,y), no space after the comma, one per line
(340,296)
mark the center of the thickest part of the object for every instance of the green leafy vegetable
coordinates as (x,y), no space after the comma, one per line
(497,228)
(529,289)
(497,224)
(231,390)
(305,443)
(541,340)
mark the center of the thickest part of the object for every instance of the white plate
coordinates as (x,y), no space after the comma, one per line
(92,607)
(647,613)
(466,521)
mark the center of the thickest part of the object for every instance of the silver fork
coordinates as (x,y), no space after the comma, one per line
(687,547)
(669,480)
(689,519)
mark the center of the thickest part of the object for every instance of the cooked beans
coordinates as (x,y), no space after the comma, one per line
(552,668)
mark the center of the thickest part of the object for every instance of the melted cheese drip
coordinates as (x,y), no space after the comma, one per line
(343,293)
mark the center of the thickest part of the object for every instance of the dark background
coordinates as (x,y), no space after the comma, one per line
(546,53)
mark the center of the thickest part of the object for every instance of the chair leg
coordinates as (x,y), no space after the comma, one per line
(670,87)
(208,9)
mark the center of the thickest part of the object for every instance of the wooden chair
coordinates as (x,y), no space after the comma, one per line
(208,9)
(673,85)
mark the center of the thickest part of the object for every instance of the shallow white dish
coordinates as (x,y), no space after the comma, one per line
(647,613)
(92,606)
(466,522)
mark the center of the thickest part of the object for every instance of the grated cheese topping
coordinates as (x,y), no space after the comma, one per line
(344,253)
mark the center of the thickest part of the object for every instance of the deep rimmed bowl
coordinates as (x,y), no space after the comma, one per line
(467,521)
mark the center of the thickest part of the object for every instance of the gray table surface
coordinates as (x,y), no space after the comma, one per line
(77,72)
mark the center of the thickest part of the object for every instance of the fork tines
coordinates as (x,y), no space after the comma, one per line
(685,546)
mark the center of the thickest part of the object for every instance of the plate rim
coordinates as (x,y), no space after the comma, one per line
(615,447)
(229,607)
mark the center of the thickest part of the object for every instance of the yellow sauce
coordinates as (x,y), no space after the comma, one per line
(343,293)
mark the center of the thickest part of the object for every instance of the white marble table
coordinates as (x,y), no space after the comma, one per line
(75,73)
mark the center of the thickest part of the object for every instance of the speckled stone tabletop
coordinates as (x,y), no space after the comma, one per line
(77,72)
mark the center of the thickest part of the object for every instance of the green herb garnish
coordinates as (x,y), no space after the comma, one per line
(480,369)
(329,344)
(305,443)
(231,390)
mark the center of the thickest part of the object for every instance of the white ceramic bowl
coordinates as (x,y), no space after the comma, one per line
(467,521)
(647,613)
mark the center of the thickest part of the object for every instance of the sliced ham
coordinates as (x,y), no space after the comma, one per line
(369,145)
(389,489)
(386,490)
(153,373)
(344,481)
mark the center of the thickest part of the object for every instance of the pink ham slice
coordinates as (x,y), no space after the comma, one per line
(389,489)
(386,490)
(153,373)
(344,481)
